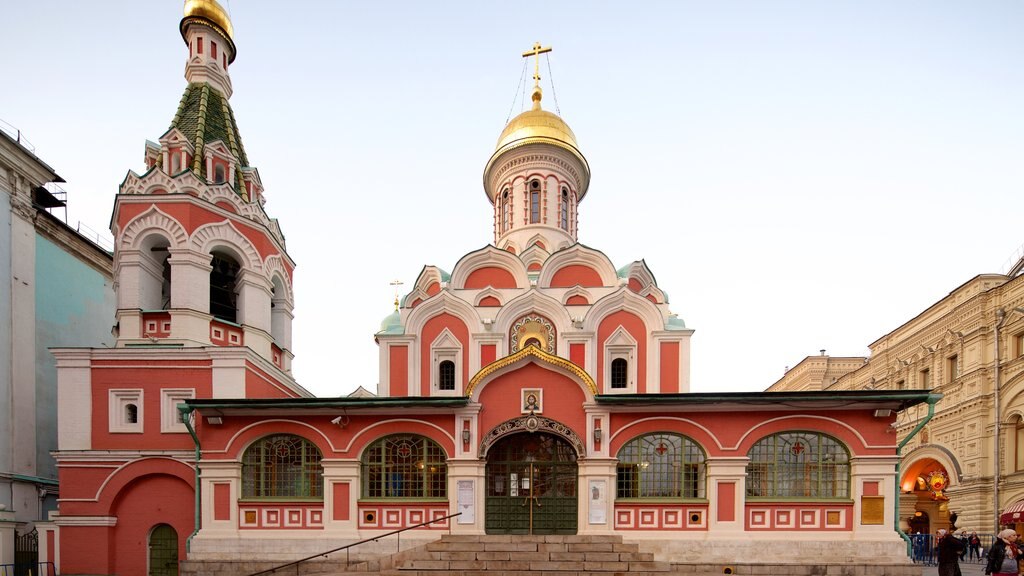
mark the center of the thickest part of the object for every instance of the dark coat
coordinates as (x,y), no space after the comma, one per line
(996,555)
(949,548)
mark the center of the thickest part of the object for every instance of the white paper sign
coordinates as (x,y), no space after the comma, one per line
(466,502)
(598,502)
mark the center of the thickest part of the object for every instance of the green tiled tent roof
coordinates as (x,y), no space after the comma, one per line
(204,115)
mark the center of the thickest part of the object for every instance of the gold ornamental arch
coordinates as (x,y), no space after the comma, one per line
(541,356)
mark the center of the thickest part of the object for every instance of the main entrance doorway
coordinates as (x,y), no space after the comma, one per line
(531,485)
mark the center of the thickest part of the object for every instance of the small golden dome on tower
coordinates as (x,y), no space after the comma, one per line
(212,14)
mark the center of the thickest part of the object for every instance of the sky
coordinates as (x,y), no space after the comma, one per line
(797,175)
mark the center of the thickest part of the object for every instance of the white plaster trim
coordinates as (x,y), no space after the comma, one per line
(855,432)
(489,257)
(578,254)
(707,431)
(152,220)
(228,447)
(348,447)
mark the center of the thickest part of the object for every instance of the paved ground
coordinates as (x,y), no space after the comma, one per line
(967,568)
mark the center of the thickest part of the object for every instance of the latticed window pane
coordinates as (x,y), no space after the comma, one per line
(404,466)
(282,466)
(798,465)
(446,375)
(619,369)
(660,465)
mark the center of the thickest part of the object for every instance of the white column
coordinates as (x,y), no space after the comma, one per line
(338,474)
(868,469)
(471,471)
(74,399)
(214,473)
(726,474)
(596,496)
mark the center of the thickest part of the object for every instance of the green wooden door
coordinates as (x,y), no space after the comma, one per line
(163,551)
(531,486)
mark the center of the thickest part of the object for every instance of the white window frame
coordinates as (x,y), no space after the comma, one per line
(445,347)
(620,345)
(118,402)
(169,400)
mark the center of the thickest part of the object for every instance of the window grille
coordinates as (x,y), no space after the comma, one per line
(282,466)
(798,465)
(619,373)
(563,218)
(660,465)
(446,375)
(404,466)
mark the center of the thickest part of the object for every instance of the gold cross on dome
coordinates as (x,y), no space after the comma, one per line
(536,52)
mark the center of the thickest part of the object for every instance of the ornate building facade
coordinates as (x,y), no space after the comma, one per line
(536,389)
(968,458)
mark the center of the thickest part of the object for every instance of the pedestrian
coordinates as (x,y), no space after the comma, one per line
(949,549)
(1002,556)
(974,544)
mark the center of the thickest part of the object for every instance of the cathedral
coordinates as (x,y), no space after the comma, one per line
(535,390)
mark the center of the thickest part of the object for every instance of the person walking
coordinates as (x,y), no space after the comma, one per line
(949,548)
(1002,556)
(974,545)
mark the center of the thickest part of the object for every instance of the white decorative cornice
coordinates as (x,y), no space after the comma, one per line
(208,237)
(578,254)
(489,257)
(152,221)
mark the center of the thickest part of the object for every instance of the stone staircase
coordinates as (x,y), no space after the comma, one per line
(463,555)
(518,556)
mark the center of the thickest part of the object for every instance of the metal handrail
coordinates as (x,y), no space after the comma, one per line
(347,546)
(20,568)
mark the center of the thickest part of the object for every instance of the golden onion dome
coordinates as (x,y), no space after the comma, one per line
(212,14)
(537,126)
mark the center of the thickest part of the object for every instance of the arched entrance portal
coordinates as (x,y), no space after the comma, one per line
(163,551)
(531,485)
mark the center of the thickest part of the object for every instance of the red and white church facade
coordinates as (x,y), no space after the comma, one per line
(534,389)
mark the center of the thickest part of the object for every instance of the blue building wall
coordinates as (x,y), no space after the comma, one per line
(74,308)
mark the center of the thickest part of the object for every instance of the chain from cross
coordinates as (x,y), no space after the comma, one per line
(536,52)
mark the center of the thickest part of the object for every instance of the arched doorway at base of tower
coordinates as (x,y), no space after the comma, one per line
(531,485)
(163,551)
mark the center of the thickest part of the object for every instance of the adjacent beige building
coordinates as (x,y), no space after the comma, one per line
(969,347)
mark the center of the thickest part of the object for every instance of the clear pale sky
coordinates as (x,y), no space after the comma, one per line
(797,175)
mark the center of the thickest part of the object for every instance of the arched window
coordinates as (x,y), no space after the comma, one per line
(404,466)
(223,278)
(534,202)
(506,211)
(660,465)
(798,465)
(131,414)
(218,174)
(563,210)
(282,466)
(620,371)
(446,375)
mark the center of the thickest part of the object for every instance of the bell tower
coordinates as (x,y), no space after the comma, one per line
(198,262)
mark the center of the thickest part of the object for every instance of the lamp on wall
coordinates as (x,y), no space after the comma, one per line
(465,436)
(218,420)
(597,434)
